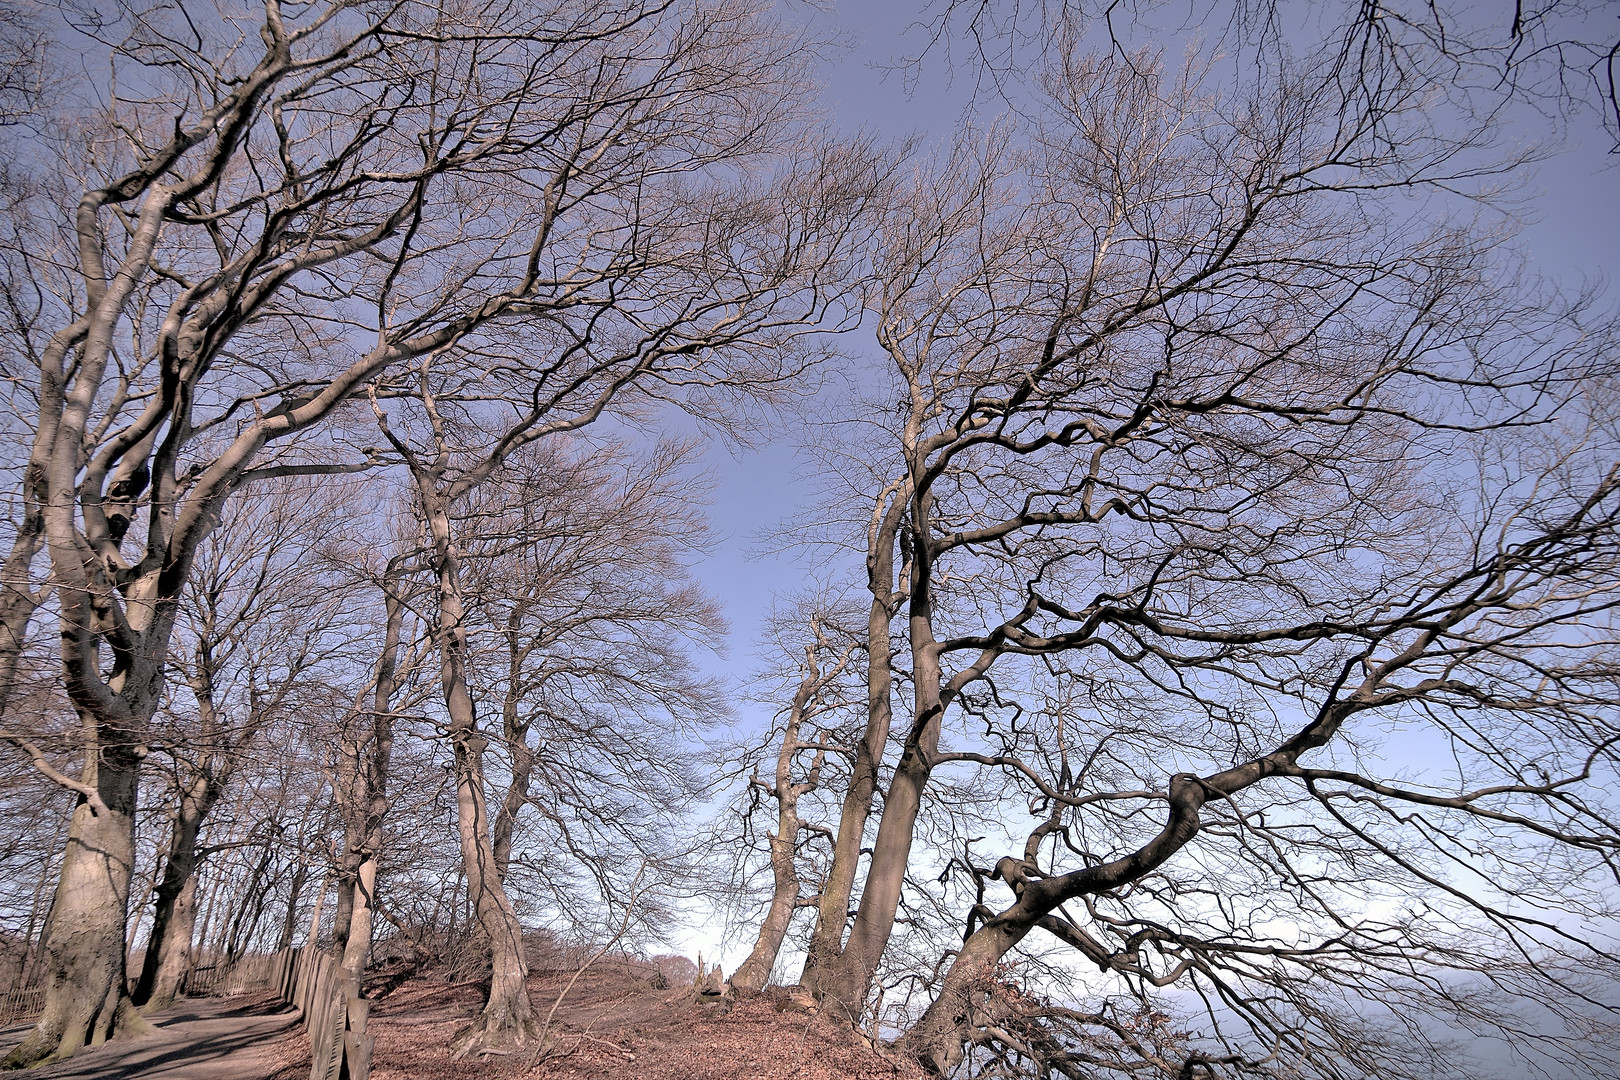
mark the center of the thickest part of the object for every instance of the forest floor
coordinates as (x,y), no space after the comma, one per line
(612,1023)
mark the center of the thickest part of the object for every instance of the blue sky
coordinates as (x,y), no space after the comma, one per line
(1572,202)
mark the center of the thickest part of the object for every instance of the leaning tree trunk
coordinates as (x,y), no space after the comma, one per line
(364,785)
(755,971)
(168,946)
(85,1002)
(827,940)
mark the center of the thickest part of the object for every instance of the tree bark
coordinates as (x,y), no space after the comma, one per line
(755,971)
(832,917)
(845,984)
(516,732)
(289,924)
(363,787)
(508,1015)
(85,1003)
(168,946)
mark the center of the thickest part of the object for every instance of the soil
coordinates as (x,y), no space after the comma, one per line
(614,1022)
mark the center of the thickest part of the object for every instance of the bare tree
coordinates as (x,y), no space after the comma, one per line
(257,620)
(579,586)
(278,207)
(1559,57)
(821,690)
(365,749)
(1213,459)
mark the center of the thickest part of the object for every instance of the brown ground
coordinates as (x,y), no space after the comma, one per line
(251,1037)
(614,1024)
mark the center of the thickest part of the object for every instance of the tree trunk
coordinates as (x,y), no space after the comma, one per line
(174,962)
(85,999)
(756,970)
(966,1000)
(807,699)
(827,940)
(168,946)
(251,910)
(845,983)
(356,956)
(363,788)
(289,925)
(18,600)
(516,733)
(508,1015)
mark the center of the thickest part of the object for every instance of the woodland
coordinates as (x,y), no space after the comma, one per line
(1206,662)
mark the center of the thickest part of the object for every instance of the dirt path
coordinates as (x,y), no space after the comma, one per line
(237,1038)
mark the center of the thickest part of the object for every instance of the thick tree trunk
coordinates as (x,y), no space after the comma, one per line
(508,1014)
(826,942)
(174,962)
(348,869)
(844,983)
(85,999)
(756,970)
(356,955)
(966,1000)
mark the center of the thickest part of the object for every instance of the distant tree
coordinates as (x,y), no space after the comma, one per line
(1559,57)
(822,694)
(259,619)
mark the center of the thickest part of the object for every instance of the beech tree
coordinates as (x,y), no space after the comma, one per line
(585,618)
(1558,57)
(270,208)
(258,619)
(822,696)
(1219,454)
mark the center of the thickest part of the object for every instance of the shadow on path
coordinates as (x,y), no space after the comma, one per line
(197,1039)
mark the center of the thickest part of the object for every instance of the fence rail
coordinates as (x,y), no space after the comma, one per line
(334,1014)
(21,1003)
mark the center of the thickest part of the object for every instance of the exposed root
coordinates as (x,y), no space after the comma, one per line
(500,1034)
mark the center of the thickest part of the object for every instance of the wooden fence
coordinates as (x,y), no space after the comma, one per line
(333,1012)
(328,1001)
(21,1003)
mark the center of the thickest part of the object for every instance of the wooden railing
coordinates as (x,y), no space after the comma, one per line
(21,1003)
(333,1012)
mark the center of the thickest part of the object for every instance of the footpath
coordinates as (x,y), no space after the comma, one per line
(231,1038)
